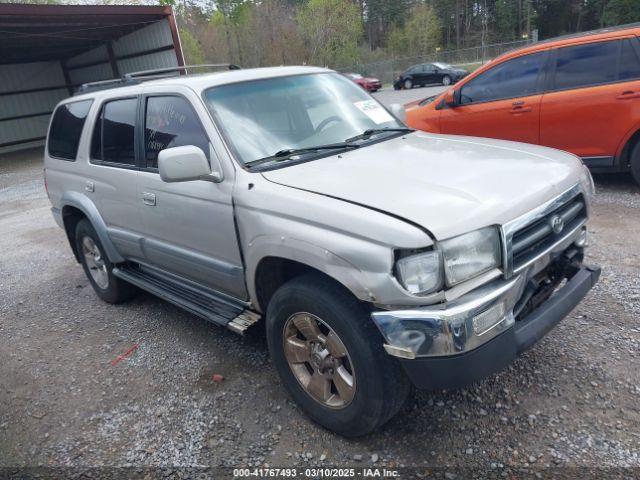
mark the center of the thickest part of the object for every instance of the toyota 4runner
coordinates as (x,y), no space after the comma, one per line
(377,257)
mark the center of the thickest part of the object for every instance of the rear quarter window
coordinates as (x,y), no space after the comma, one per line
(66,129)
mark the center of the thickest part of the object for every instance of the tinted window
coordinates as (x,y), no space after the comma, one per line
(589,64)
(114,132)
(171,122)
(511,79)
(629,64)
(66,128)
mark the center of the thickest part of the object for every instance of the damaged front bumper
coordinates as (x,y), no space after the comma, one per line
(477,335)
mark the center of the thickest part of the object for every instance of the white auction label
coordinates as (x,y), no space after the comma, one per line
(374,111)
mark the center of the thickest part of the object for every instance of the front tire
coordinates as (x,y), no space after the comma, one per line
(446,80)
(329,356)
(635,162)
(408,84)
(98,268)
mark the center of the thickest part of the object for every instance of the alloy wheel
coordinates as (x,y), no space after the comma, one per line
(95,263)
(319,360)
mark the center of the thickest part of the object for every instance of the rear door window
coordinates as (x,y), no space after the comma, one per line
(114,132)
(170,121)
(519,77)
(629,62)
(66,129)
(585,65)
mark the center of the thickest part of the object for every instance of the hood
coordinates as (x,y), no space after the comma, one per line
(420,102)
(449,185)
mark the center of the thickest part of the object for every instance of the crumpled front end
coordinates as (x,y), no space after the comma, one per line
(543,280)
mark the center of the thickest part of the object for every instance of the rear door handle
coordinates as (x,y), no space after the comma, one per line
(149,198)
(629,94)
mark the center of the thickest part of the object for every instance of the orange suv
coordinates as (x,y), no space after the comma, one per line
(579,93)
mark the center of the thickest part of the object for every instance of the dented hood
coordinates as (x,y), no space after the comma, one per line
(446,184)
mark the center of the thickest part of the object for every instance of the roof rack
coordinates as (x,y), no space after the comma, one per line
(133,78)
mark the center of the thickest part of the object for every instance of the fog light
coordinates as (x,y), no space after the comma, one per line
(488,319)
(581,241)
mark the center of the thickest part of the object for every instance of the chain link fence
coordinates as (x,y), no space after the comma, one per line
(387,70)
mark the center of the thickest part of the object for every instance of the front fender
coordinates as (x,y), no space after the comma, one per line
(350,243)
(86,206)
(308,254)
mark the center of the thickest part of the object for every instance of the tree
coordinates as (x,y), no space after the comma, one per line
(331,30)
(617,12)
(420,35)
(191,48)
(506,20)
(379,16)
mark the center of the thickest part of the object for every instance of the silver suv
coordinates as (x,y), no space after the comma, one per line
(377,257)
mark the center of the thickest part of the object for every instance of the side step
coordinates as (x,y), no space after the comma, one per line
(217,308)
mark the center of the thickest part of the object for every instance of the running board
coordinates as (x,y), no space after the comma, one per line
(218,309)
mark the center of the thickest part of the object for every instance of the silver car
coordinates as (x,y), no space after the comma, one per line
(377,257)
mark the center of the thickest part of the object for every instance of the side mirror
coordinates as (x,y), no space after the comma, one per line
(184,164)
(451,98)
(399,112)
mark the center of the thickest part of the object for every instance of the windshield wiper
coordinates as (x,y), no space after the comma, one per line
(372,131)
(281,155)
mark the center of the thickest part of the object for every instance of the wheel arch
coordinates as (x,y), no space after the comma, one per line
(75,207)
(279,263)
(623,155)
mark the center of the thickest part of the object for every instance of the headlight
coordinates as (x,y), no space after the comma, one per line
(470,254)
(420,273)
(587,182)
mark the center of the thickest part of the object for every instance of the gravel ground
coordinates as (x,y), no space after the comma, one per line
(570,406)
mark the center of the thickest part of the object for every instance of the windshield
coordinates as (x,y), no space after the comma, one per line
(263,117)
(355,76)
(442,65)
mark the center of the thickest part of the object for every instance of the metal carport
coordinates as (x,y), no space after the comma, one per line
(47,51)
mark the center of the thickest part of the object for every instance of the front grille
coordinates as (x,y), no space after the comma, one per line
(534,238)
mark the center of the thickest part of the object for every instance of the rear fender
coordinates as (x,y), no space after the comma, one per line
(86,206)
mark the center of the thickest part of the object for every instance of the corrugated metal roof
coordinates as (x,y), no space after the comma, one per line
(32,33)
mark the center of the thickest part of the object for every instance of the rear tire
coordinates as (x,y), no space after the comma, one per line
(635,162)
(378,386)
(408,84)
(98,268)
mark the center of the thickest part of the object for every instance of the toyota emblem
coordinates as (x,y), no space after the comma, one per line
(557,224)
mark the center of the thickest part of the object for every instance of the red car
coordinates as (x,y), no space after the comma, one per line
(368,83)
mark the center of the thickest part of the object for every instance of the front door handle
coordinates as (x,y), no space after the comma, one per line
(149,198)
(520,109)
(628,95)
